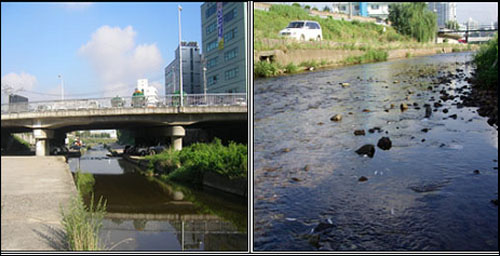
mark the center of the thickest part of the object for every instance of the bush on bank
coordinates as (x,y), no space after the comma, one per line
(190,163)
(486,61)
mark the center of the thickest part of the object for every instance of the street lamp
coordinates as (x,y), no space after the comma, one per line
(62,86)
(180,56)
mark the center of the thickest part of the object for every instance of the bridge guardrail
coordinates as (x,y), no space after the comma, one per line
(170,100)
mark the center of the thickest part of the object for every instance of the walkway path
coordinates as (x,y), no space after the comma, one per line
(33,188)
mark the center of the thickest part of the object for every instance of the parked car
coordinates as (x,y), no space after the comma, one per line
(303,30)
(153,150)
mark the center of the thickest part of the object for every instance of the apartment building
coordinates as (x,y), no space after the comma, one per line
(191,70)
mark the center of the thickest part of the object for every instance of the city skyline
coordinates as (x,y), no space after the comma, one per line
(100,49)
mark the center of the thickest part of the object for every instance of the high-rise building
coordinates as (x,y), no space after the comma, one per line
(471,24)
(191,70)
(445,11)
(224,42)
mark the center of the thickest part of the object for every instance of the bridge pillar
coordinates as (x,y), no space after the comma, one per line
(176,133)
(42,137)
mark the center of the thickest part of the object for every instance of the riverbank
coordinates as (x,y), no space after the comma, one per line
(33,190)
(208,165)
(279,62)
(344,43)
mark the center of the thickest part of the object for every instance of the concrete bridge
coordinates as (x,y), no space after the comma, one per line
(51,120)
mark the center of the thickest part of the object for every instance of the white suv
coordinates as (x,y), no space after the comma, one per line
(303,30)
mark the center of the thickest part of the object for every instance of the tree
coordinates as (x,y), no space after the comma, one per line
(326,9)
(452,24)
(315,9)
(414,19)
(307,7)
(296,4)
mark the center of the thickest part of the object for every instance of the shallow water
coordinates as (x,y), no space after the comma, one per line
(421,194)
(145,214)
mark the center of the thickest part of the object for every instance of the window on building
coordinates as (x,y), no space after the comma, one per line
(228,36)
(211,10)
(356,7)
(231,73)
(212,80)
(231,54)
(211,28)
(212,45)
(343,8)
(375,6)
(230,15)
(212,62)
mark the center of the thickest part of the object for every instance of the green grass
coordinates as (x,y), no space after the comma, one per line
(189,164)
(268,24)
(266,69)
(369,56)
(82,224)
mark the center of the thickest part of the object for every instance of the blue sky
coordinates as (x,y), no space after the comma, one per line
(125,41)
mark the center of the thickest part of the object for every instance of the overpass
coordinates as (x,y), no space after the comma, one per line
(50,120)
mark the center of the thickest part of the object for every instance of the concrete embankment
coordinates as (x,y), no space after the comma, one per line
(237,187)
(335,57)
(33,190)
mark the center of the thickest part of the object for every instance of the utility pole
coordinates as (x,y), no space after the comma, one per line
(62,87)
(180,57)
(205,78)
(350,11)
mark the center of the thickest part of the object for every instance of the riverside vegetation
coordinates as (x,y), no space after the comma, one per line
(412,32)
(192,162)
(82,224)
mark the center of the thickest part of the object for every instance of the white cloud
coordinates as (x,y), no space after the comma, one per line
(118,61)
(16,84)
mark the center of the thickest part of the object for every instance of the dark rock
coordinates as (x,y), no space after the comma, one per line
(366,110)
(425,130)
(359,132)
(362,178)
(445,110)
(367,149)
(428,111)
(322,226)
(437,104)
(494,201)
(476,172)
(296,179)
(423,140)
(454,116)
(384,143)
(307,168)
(286,150)
(321,123)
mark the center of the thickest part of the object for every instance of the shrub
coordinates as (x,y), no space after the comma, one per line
(265,69)
(291,68)
(486,60)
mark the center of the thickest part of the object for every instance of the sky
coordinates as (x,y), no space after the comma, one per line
(100,49)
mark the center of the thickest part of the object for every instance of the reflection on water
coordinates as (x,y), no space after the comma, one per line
(421,194)
(146,214)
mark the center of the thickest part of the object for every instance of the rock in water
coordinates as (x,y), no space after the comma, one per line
(336,118)
(403,106)
(359,132)
(384,143)
(428,111)
(362,178)
(367,149)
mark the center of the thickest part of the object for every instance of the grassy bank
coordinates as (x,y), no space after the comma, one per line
(359,42)
(82,224)
(486,61)
(189,164)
